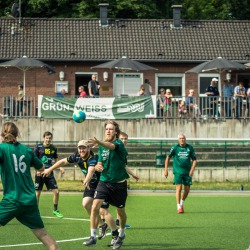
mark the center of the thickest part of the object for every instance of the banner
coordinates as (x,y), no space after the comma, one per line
(135,107)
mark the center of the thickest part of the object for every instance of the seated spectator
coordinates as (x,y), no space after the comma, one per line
(141,91)
(61,93)
(168,103)
(82,92)
(182,109)
(192,107)
(160,102)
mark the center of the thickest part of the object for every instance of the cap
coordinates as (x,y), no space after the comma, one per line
(82,143)
(168,90)
(214,80)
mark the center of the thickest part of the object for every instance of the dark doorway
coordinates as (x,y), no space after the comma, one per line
(82,80)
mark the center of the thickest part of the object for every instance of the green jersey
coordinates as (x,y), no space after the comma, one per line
(114,163)
(182,158)
(15,162)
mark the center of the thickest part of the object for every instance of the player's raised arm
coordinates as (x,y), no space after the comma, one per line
(58,164)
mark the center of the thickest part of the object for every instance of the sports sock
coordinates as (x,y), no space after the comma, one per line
(55,207)
(93,232)
(121,232)
(178,206)
(114,233)
(182,202)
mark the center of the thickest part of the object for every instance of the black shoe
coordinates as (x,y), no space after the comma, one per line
(91,242)
(102,231)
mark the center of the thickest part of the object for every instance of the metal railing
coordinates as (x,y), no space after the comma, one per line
(198,108)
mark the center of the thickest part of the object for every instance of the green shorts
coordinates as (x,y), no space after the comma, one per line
(184,179)
(28,215)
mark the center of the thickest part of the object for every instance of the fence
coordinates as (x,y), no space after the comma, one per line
(179,107)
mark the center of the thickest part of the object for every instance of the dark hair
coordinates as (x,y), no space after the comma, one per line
(47,133)
(116,125)
(20,86)
(9,132)
(124,134)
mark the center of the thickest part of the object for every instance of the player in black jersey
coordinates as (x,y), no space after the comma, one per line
(86,160)
(47,152)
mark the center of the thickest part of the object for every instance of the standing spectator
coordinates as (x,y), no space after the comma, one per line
(19,198)
(141,91)
(248,100)
(213,93)
(82,92)
(93,87)
(112,186)
(61,93)
(168,103)
(192,106)
(20,99)
(47,152)
(227,95)
(148,87)
(239,94)
(160,102)
(183,169)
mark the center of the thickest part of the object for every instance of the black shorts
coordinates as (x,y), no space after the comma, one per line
(90,193)
(50,183)
(113,193)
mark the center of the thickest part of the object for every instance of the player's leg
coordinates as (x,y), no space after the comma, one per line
(39,182)
(105,220)
(87,204)
(51,184)
(46,239)
(187,181)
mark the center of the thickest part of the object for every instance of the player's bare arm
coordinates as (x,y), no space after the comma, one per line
(193,168)
(91,171)
(130,172)
(166,167)
(58,164)
(94,142)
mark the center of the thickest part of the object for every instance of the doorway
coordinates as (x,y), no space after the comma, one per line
(82,79)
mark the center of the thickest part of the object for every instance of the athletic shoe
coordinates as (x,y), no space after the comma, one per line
(118,242)
(102,231)
(112,242)
(91,242)
(57,213)
(126,225)
(181,210)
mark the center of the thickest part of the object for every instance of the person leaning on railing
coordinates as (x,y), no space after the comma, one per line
(192,107)
(20,97)
(227,98)
(239,94)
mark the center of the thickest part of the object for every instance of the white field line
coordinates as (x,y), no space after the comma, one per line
(58,241)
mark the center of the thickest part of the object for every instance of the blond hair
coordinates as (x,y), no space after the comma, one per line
(9,132)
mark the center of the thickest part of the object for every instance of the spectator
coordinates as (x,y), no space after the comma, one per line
(82,92)
(227,94)
(212,92)
(168,103)
(239,94)
(20,97)
(93,87)
(61,93)
(160,102)
(248,100)
(148,87)
(191,105)
(182,109)
(141,91)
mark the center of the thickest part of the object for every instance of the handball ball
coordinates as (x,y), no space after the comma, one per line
(79,116)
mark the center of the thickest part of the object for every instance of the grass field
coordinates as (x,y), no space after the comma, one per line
(209,222)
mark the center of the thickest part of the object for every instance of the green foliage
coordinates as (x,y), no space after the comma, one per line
(143,9)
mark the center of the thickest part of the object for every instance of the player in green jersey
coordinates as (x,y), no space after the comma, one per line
(184,163)
(112,186)
(19,199)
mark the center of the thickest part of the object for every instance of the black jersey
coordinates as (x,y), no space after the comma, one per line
(84,164)
(46,154)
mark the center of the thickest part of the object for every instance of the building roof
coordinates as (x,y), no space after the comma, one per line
(144,40)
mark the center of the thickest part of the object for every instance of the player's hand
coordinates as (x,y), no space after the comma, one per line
(166,173)
(136,177)
(86,184)
(46,172)
(62,170)
(93,142)
(99,167)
